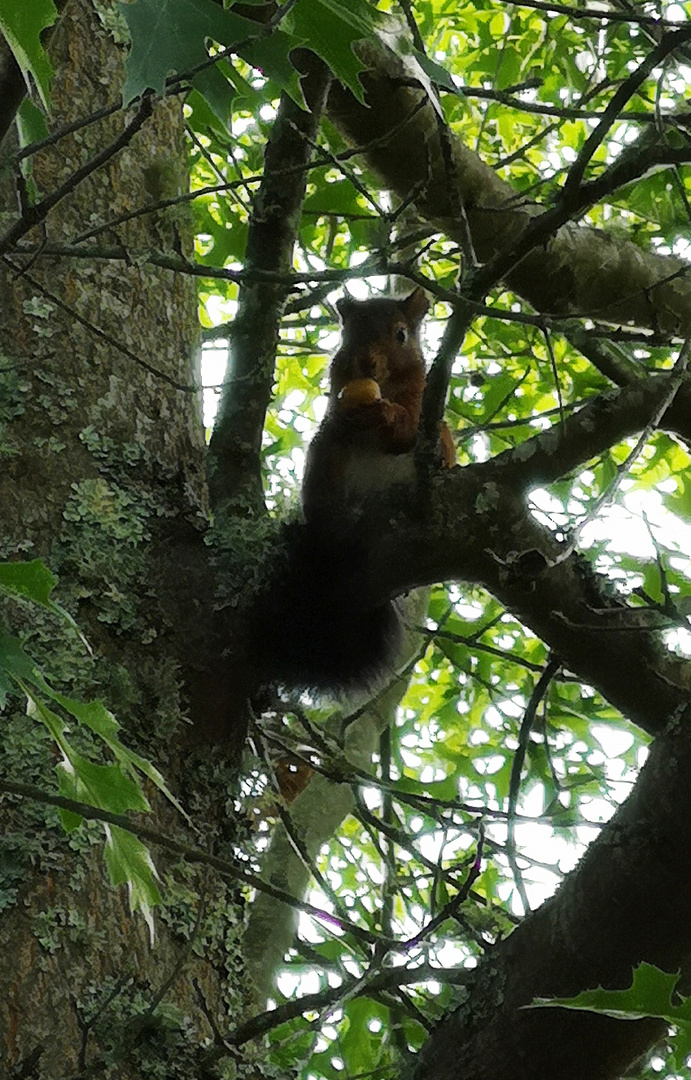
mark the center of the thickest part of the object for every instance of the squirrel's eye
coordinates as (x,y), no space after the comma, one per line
(401,335)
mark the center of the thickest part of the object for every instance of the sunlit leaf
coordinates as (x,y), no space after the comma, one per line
(22,25)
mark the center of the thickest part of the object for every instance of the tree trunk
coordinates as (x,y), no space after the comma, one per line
(102,448)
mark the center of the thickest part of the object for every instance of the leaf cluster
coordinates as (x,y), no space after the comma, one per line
(116,787)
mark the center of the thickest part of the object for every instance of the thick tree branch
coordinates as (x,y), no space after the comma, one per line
(235,465)
(597,426)
(625,902)
(474,526)
(580,270)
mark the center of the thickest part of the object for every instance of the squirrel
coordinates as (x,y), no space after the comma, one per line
(308,624)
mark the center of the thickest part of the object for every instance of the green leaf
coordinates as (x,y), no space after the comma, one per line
(31,122)
(15,665)
(170,37)
(271,55)
(34,581)
(359,1046)
(30,580)
(95,716)
(331,28)
(103,786)
(31,125)
(650,994)
(129,862)
(436,72)
(70,820)
(106,787)
(21,23)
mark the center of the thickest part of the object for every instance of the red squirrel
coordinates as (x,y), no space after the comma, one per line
(377,382)
(314,633)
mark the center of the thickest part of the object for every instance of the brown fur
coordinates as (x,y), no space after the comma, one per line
(351,455)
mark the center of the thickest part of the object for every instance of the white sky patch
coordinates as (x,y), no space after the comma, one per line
(310,982)
(214,361)
(613,741)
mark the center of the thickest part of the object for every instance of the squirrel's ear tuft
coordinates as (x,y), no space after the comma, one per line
(345,306)
(415,306)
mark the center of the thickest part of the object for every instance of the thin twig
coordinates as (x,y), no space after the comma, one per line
(450,910)
(600,15)
(621,96)
(387,979)
(677,377)
(188,388)
(34,215)
(186,851)
(541,687)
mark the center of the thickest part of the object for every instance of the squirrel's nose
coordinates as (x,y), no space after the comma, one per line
(365,364)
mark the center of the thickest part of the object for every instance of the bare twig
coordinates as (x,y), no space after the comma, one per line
(387,979)
(621,96)
(34,215)
(296,841)
(191,854)
(451,909)
(102,335)
(600,15)
(540,690)
(674,384)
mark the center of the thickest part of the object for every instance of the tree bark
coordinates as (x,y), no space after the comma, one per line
(102,475)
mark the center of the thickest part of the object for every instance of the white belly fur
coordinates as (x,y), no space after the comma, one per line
(366,474)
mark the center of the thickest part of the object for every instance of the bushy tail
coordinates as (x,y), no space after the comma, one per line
(309,630)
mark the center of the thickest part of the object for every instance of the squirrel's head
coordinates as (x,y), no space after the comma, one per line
(379,337)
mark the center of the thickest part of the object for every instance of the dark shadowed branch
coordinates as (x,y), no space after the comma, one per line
(235,466)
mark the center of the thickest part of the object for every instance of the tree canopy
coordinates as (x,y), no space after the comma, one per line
(505,825)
